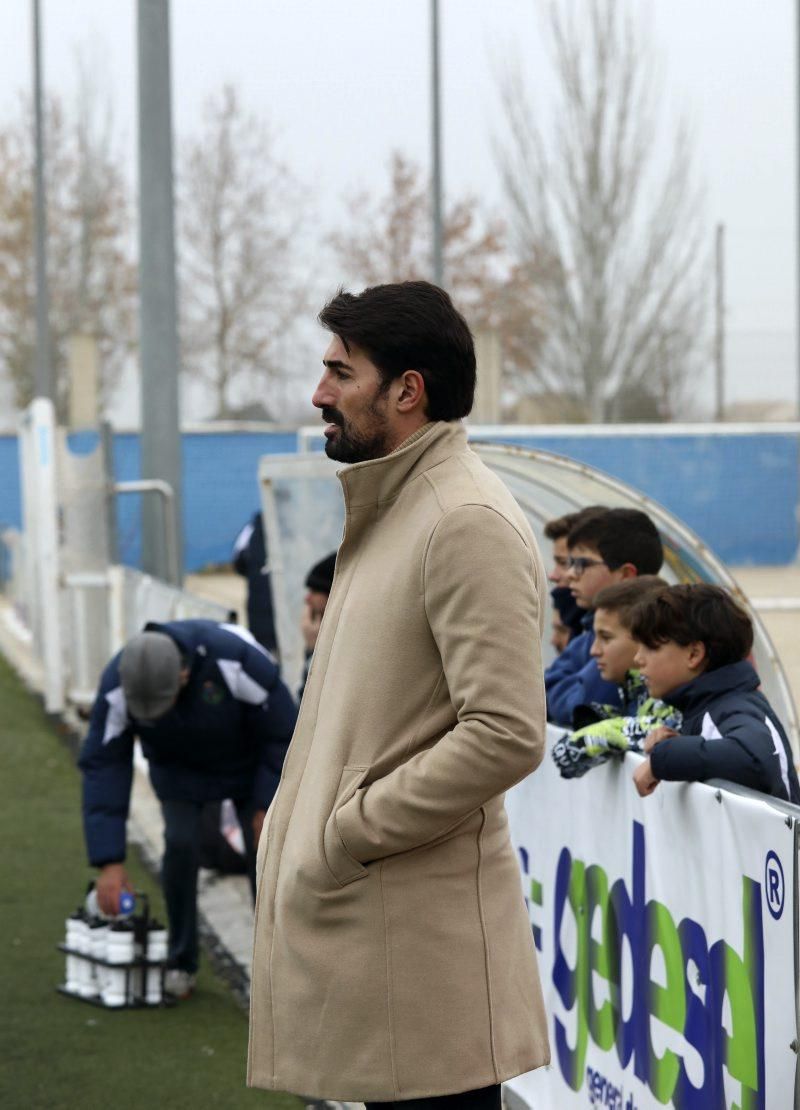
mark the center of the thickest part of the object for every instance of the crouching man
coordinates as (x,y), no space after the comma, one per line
(393,956)
(214,721)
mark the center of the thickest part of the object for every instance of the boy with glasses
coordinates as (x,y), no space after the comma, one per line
(568,615)
(603,549)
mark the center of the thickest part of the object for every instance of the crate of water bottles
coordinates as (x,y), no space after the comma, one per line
(117,962)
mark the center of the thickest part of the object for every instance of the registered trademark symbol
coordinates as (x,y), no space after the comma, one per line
(774,885)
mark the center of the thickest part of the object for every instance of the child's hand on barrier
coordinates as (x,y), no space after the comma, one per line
(644,779)
(663,732)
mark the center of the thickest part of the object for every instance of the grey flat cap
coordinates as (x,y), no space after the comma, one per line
(150,671)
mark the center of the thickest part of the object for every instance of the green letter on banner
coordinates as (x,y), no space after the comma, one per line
(667,1003)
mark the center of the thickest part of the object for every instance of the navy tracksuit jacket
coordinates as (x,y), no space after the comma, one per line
(572,679)
(226,736)
(250,560)
(729,731)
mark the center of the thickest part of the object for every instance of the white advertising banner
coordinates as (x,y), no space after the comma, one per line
(665,935)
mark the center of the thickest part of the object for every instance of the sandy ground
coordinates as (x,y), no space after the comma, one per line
(774,593)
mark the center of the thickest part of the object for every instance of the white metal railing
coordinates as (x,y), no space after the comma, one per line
(71,608)
(104,609)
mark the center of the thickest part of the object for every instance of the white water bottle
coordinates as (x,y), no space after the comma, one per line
(119,950)
(156,955)
(85,973)
(73,941)
(98,944)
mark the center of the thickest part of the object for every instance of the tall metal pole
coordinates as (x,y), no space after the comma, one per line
(436,151)
(160,441)
(797,189)
(719,338)
(43,375)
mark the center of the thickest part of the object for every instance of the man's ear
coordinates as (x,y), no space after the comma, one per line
(628,570)
(697,657)
(411,393)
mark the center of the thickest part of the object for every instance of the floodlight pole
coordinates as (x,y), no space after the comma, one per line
(797,202)
(719,331)
(43,374)
(436,150)
(160,440)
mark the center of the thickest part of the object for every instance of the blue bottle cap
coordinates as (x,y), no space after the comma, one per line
(127,901)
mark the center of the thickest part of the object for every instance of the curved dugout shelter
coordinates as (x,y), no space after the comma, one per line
(304,516)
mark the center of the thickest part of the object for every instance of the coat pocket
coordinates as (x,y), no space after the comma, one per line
(344,868)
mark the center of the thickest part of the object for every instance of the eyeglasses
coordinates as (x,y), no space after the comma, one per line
(580,563)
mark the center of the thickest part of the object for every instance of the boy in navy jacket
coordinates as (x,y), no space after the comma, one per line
(694,641)
(604,548)
(214,721)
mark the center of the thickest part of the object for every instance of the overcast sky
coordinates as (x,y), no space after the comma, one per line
(344,84)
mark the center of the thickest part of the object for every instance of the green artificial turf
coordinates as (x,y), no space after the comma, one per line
(57,1053)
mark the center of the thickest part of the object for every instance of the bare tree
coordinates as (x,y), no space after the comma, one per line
(615,226)
(91,275)
(389,239)
(239,212)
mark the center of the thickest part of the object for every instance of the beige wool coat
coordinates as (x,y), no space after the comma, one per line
(393,955)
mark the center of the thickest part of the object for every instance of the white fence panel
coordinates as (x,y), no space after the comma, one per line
(666,934)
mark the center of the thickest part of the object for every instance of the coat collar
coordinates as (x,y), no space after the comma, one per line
(734,678)
(377,480)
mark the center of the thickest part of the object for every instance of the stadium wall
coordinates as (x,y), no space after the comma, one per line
(737,488)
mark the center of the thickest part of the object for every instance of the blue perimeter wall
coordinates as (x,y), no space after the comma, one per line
(739,492)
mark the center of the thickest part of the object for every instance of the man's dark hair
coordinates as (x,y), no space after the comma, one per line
(412,325)
(621,536)
(699,613)
(623,597)
(561,526)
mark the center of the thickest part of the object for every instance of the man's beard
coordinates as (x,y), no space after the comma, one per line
(350,446)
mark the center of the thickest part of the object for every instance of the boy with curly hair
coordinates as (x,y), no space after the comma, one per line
(694,643)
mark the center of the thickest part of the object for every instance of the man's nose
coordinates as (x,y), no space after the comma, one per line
(322,397)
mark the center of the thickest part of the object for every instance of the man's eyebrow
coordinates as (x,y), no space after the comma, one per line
(336,364)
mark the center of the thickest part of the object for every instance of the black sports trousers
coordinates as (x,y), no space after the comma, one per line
(487,1098)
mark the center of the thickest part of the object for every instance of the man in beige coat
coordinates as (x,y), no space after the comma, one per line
(393,956)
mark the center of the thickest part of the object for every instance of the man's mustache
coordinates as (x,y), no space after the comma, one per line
(333,416)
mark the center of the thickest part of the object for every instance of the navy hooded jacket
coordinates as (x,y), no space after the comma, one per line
(568,609)
(572,679)
(250,560)
(729,731)
(225,737)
